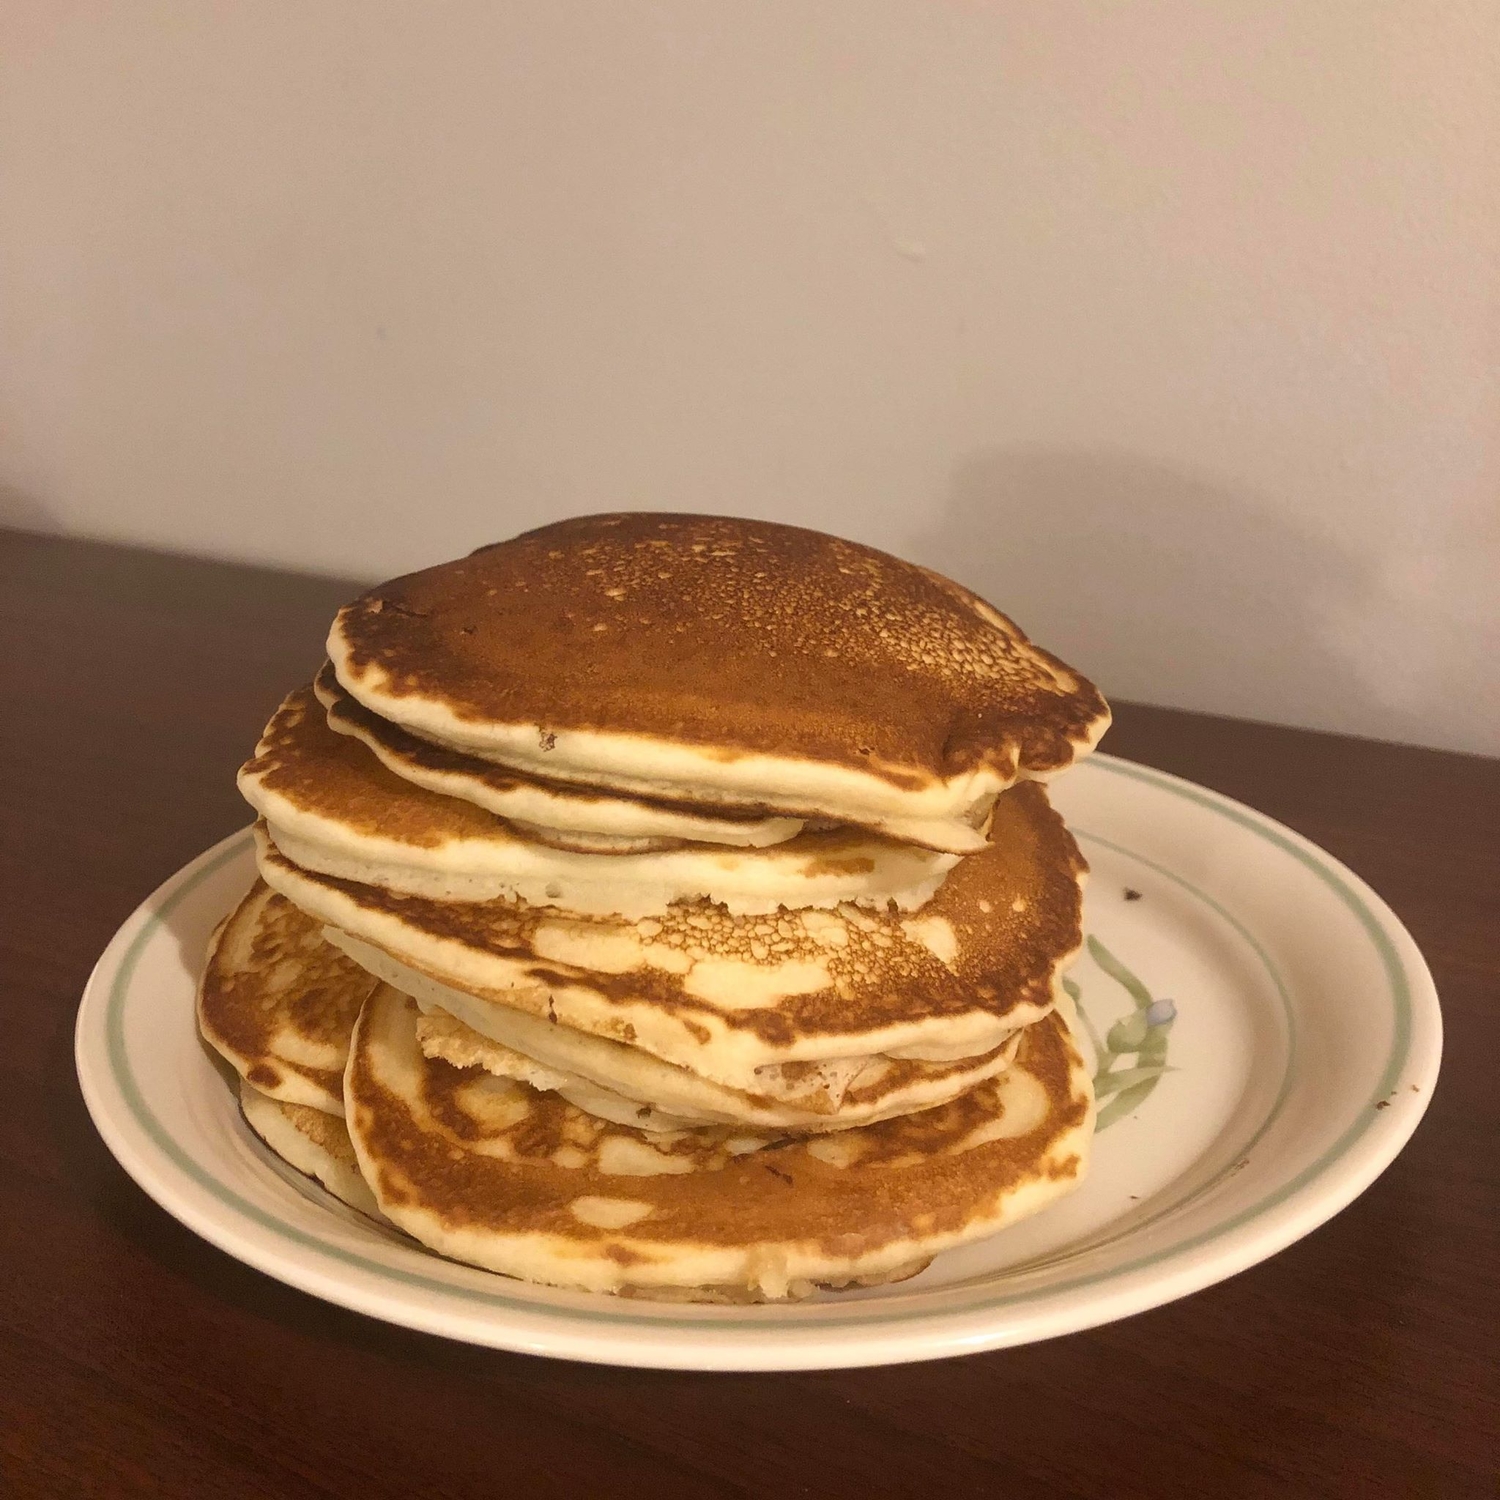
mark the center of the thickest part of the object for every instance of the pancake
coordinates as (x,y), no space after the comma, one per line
(488,1171)
(631,1087)
(722,663)
(282,980)
(278,1003)
(315,1143)
(726,996)
(441,1035)
(289,986)
(541,810)
(332,807)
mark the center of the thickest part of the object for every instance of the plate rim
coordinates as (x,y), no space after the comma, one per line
(651,1335)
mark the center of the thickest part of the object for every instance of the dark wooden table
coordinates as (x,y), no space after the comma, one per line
(137,1360)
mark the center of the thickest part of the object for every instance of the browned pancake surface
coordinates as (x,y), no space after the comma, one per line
(1015,909)
(338,778)
(272,972)
(347,715)
(334,776)
(730,635)
(911,1176)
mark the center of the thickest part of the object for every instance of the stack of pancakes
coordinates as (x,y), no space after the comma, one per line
(668,904)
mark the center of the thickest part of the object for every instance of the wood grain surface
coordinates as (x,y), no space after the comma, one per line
(136,1360)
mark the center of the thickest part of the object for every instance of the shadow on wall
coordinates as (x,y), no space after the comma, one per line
(1159,586)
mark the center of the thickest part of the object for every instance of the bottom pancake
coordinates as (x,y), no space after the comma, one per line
(486,1170)
(313,1142)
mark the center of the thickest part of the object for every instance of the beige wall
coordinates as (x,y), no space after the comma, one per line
(1171,326)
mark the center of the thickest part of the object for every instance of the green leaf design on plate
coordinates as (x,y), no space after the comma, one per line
(1146,1039)
(1118,972)
(1112,1083)
(1128,1035)
(1123,1104)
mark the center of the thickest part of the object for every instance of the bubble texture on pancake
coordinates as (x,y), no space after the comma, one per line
(333,807)
(721,658)
(278,1002)
(488,1171)
(723,995)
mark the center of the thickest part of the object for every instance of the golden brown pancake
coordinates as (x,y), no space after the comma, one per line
(724,996)
(488,1171)
(333,807)
(629,1086)
(720,661)
(315,1143)
(545,810)
(278,1002)
(264,1013)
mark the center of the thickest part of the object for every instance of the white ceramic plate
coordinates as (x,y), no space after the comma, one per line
(1267,1037)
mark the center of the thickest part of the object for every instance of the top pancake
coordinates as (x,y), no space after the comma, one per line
(723,662)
